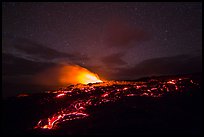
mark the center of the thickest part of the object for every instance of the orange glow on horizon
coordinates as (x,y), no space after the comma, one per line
(76,74)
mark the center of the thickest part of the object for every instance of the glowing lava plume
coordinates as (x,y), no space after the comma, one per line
(76,74)
(86,78)
(64,75)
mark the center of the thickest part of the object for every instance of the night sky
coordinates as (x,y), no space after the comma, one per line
(118,41)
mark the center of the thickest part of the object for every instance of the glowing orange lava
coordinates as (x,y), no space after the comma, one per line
(22,95)
(60,95)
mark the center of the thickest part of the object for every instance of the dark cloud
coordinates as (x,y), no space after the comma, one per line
(113,60)
(22,66)
(18,75)
(180,64)
(121,34)
(33,50)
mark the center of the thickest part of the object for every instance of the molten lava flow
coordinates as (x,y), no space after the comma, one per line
(76,74)
(60,95)
(101,93)
(22,95)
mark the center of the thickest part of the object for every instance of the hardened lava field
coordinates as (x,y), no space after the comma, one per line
(157,105)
